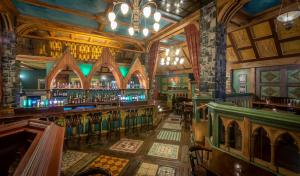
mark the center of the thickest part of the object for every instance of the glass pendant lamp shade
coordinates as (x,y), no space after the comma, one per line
(288,16)
(145,32)
(124,8)
(131,31)
(113,25)
(156,27)
(157,16)
(111,16)
(147,11)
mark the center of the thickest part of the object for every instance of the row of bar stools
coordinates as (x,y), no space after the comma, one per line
(93,126)
(147,119)
(73,126)
(131,120)
(113,123)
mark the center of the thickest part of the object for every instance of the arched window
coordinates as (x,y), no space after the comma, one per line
(262,145)
(235,136)
(222,132)
(287,153)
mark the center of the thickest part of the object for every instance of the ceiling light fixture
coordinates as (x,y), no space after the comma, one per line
(287,17)
(173,56)
(138,9)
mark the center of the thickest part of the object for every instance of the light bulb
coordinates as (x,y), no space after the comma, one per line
(157,16)
(167,63)
(168,58)
(176,59)
(147,11)
(113,25)
(177,52)
(145,32)
(162,59)
(175,63)
(156,27)
(124,8)
(111,16)
(131,31)
(181,61)
(167,51)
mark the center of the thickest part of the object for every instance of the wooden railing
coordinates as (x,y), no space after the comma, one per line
(241,100)
(43,157)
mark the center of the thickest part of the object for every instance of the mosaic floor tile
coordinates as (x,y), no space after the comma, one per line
(127,145)
(71,157)
(147,169)
(113,164)
(173,119)
(169,135)
(166,171)
(164,150)
(172,126)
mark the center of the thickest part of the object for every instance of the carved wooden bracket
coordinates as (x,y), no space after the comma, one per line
(139,70)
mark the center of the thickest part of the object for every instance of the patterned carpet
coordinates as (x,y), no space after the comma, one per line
(113,164)
(127,145)
(173,120)
(169,135)
(147,169)
(164,150)
(172,126)
(71,157)
(166,171)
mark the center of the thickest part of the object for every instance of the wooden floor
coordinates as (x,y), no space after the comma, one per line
(167,129)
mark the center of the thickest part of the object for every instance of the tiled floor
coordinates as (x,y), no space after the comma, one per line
(163,150)
(70,157)
(166,171)
(127,145)
(169,135)
(147,169)
(113,164)
(172,126)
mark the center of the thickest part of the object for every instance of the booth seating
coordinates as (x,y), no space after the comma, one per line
(113,123)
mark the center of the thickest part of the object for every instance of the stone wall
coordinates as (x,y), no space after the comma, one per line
(213,53)
(10,70)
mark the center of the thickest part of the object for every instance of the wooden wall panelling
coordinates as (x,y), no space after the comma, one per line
(261,30)
(229,35)
(290,47)
(266,48)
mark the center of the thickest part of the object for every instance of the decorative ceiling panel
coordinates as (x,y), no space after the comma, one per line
(228,41)
(290,47)
(241,38)
(289,33)
(261,30)
(248,54)
(231,56)
(266,48)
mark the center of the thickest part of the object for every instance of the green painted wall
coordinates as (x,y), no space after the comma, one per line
(29,78)
(164,81)
(236,83)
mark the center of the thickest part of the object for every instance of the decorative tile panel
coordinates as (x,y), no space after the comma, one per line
(230,55)
(293,76)
(127,145)
(290,47)
(164,150)
(294,92)
(241,38)
(169,135)
(147,169)
(270,77)
(261,30)
(248,54)
(166,171)
(270,91)
(266,48)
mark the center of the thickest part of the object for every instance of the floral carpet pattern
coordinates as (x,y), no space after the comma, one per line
(172,126)
(169,151)
(113,164)
(169,135)
(147,169)
(166,171)
(71,157)
(127,145)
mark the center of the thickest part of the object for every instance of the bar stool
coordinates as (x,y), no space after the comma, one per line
(113,125)
(144,119)
(150,118)
(68,128)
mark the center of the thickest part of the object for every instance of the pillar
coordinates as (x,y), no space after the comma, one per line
(213,53)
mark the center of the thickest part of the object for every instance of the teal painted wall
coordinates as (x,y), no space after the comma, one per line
(236,83)
(165,81)
(29,78)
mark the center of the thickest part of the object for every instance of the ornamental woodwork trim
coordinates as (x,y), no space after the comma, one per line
(139,70)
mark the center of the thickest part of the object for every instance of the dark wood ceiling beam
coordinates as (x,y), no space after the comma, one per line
(237,53)
(276,40)
(252,43)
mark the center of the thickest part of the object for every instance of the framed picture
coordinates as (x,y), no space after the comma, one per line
(243,83)
(41,84)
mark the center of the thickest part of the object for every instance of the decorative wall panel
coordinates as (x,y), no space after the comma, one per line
(285,33)
(248,54)
(261,30)
(293,76)
(230,55)
(290,47)
(266,48)
(294,92)
(270,91)
(241,38)
(270,76)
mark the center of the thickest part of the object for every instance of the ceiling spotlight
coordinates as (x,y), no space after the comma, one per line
(113,25)
(157,16)
(131,31)
(145,32)
(147,11)
(111,16)
(156,27)
(124,8)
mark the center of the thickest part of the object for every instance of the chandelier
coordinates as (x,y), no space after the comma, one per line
(138,8)
(288,18)
(173,56)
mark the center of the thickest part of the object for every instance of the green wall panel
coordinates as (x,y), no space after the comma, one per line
(270,76)
(272,91)
(294,92)
(29,78)
(236,82)
(293,76)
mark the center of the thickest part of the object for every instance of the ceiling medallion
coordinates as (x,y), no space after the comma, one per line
(137,8)
(172,57)
(286,17)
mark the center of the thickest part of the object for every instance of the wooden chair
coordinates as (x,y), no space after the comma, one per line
(199,157)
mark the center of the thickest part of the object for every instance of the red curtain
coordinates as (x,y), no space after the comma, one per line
(193,42)
(153,56)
